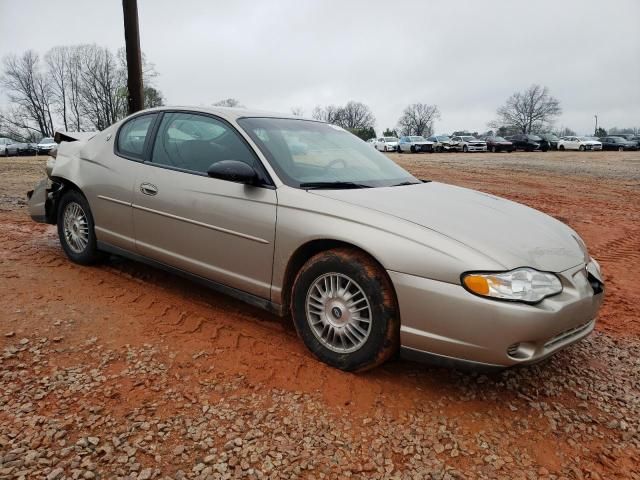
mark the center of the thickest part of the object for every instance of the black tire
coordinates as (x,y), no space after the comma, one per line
(89,254)
(413,149)
(465,149)
(581,148)
(561,148)
(384,330)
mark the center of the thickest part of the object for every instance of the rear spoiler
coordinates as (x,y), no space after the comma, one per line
(61,136)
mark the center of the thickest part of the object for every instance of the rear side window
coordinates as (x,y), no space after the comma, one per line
(194,142)
(132,136)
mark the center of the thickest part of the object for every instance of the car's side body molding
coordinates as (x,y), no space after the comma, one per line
(218,287)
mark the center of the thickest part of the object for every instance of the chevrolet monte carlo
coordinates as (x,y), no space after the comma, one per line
(304,219)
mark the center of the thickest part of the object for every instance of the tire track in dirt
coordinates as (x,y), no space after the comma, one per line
(236,337)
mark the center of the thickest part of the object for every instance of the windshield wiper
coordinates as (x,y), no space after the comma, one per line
(332,185)
(401,184)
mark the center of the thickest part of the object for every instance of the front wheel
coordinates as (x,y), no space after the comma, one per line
(76,229)
(413,149)
(344,309)
(621,149)
(465,149)
(581,148)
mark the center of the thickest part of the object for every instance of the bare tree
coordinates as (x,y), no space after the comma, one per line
(74,86)
(330,114)
(30,92)
(356,115)
(529,111)
(418,119)
(297,111)
(57,60)
(103,90)
(229,102)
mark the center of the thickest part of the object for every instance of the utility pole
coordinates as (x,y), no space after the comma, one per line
(596,130)
(134,57)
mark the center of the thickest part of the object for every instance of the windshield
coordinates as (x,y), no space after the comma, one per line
(417,139)
(47,140)
(499,139)
(585,139)
(303,151)
(443,139)
(535,138)
(467,138)
(390,139)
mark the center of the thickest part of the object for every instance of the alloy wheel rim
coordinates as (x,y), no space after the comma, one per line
(338,313)
(75,227)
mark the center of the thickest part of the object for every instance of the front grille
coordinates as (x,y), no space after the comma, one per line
(567,334)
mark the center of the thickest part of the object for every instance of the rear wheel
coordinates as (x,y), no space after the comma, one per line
(344,309)
(621,149)
(465,149)
(413,149)
(493,149)
(76,229)
(561,148)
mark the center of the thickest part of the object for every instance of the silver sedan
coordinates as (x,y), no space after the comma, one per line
(304,219)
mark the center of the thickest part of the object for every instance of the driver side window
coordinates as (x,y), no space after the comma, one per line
(193,142)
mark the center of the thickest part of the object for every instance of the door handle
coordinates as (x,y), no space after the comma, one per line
(148,189)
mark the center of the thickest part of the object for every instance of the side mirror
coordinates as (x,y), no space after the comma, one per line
(233,171)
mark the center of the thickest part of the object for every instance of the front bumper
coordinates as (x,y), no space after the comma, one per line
(476,148)
(445,320)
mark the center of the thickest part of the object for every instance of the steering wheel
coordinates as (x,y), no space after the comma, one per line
(335,162)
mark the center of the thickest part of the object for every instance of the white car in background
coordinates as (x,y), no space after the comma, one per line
(46,145)
(387,144)
(468,143)
(579,143)
(414,143)
(372,142)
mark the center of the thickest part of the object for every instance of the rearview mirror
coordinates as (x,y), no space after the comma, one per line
(234,171)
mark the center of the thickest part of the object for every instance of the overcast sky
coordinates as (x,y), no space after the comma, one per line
(281,54)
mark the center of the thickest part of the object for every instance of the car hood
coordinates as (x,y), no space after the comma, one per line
(509,233)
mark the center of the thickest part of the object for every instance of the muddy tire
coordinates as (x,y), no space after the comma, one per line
(76,229)
(344,309)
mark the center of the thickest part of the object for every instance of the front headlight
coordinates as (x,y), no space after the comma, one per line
(522,285)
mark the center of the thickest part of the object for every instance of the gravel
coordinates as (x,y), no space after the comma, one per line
(67,420)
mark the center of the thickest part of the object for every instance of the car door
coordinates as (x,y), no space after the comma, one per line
(220,230)
(110,180)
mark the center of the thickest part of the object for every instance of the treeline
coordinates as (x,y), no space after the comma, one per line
(77,88)
(416,119)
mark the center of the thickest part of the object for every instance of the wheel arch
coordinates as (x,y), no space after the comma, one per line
(60,186)
(307,250)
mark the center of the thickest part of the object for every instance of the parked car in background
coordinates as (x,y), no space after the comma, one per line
(578,143)
(341,242)
(387,144)
(372,142)
(635,139)
(4,146)
(414,143)
(468,143)
(45,145)
(626,136)
(551,138)
(27,148)
(529,142)
(441,143)
(617,143)
(498,144)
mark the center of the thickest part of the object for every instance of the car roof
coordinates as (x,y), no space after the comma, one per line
(230,113)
